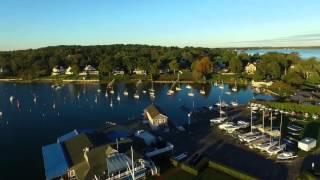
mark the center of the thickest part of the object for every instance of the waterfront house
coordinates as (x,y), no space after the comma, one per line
(139,71)
(307,144)
(118,72)
(251,68)
(69,71)
(89,70)
(57,70)
(80,155)
(3,70)
(155,118)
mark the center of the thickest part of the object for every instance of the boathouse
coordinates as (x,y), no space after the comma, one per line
(155,118)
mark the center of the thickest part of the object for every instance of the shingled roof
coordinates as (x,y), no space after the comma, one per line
(152,110)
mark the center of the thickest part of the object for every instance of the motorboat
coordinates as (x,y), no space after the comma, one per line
(287,155)
(178,88)
(11,98)
(295,128)
(222,112)
(111,91)
(249,139)
(190,94)
(218,120)
(136,95)
(144,91)
(267,145)
(276,149)
(170,92)
(225,125)
(242,124)
(241,136)
(118,97)
(234,103)
(202,92)
(125,93)
(228,93)
(221,86)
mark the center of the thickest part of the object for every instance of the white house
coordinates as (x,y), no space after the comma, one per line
(89,70)
(57,70)
(118,72)
(307,144)
(139,72)
(155,118)
(69,71)
(251,68)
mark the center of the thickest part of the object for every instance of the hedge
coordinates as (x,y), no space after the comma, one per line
(230,171)
(289,106)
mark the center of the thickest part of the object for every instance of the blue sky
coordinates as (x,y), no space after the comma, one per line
(208,23)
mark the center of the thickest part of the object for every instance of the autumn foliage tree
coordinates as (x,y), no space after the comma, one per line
(202,67)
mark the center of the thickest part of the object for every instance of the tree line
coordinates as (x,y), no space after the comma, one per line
(34,63)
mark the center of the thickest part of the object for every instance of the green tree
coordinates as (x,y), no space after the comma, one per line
(105,67)
(235,65)
(293,78)
(174,66)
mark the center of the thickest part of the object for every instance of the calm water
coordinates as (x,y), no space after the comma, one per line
(304,53)
(23,131)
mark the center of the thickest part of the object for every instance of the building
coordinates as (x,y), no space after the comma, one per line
(78,156)
(89,70)
(57,70)
(118,72)
(3,70)
(69,71)
(307,144)
(139,72)
(250,68)
(154,117)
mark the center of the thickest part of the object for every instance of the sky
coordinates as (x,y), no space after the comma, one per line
(207,23)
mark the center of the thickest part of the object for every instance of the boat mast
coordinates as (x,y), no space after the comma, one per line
(280,128)
(263,121)
(271,127)
(251,117)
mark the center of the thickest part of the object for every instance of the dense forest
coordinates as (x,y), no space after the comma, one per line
(35,63)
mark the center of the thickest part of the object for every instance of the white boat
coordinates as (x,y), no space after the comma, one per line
(54,105)
(111,104)
(144,91)
(295,128)
(136,95)
(96,99)
(228,93)
(276,149)
(252,138)
(235,89)
(234,103)
(188,86)
(286,155)
(35,99)
(118,97)
(11,98)
(242,124)
(111,91)
(178,88)
(202,91)
(190,94)
(218,120)
(225,125)
(241,136)
(221,86)
(98,90)
(222,112)
(106,93)
(125,93)
(78,96)
(170,92)
(267,145)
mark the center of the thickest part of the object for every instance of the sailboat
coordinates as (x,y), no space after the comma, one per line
(287,155)
(276,149)
(136,95)
(151,93)
(78,96)
(188,86)
(235,89)
(202,91)
(18,104)
(111,91)
(125,92)
(35,99)
(170,92)
(118,97)
(219,119)
(111,104)
(190,93)
(96,99)
(11,98)
(106,93)
(178,88)
(234,103)
(221,85)
(54,105)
